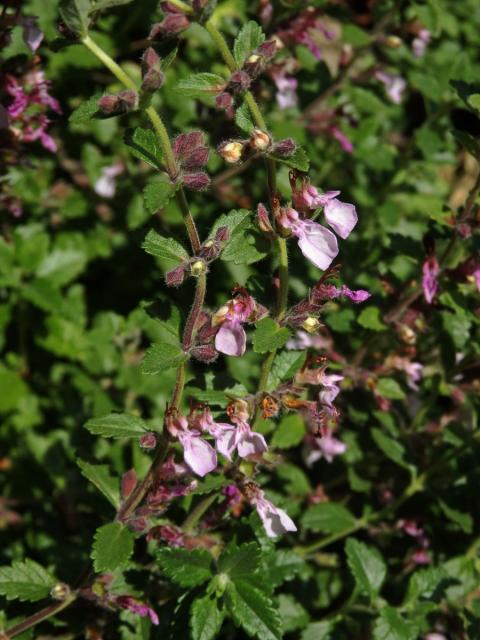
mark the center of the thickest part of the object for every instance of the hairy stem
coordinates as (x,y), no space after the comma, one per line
(194,516)
(38,617)
(189,332)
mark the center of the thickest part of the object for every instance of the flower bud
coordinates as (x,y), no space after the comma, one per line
(393,42)
(285,148)
(128,100)
(175,277)
(231,152)
(222,235)
(108,104)
(148,441)
(310,324)
(152,80)
(204,353)
(198,268)
(239,81)
(260,140)
(263,219)
(150,60)
(253,58)
(267,49)
(60,591)
(129,482)
(197,181)
(224,101)
(197,158)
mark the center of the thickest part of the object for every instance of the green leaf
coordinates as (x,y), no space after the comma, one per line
(75,15)
(240,563)
(389,388)
(112,547)
(158,192)
(424,583)
(185,568)
(143,144)
(250,38)
(26,581)
(298,160)
(86,111)
(253,610)
(390,447)
(285,366)
(243,119)
(369,318)
(289,433)
(391,626)
(280,566)
(463,520)
(62,265)
(201,85)
(164,248)
(161,357)
(99,475)
(205,619)
(328,517)
(318,630)
(117,425)
(367,566)
(99,5)
(239,248)
(269,335)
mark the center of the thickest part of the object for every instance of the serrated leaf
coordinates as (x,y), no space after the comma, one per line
(205,619)
(143,144)
(253,611)
(243,119)
(269,335)
(158,192)
(424,583)
(86,111)
(280,566)
(165,248)
(185,568)
(463,520)
(117,425)
(293,615)
(328,517)
(112,547)
(390,447)
(367,566)
(62,265)
(289,433)
(239,248)
(389,388)
(99,475)
(318,630)
(240,563)
(201,85)
(298,160)
(285,366)
(391,626)
(250,37)
(161,357)
(75,15)
(25,581)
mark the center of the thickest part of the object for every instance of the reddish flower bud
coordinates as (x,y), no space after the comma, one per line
(224,101)
(285,148)
(108,104)
(267,49)
(198,181)
(129,482)
(204,353)
(186,143)
(172,24)
(128,100)
(148,441)
(239,81)
(263,219)
(197,158)
(152,80)
(150,60)
(175,277)
(222,235)
(199,5)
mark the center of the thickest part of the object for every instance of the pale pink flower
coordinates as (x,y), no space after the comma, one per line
(141,609)
(198,454)
(32,35)
(228,437)
(231,337)
(275,521)
(394,85)
(344,141)
(331,292)
(326,447)
(106,185)
(286,89)
(420,43)
(431,271)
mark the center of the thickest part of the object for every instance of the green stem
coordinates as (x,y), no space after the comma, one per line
(194,516)
(38,617)
(188,220)
(182,5)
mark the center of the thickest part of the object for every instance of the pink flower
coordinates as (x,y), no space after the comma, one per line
(142,610)
(304,28)
(420,43)
(326,447)
(228,438)
(345,143)
(275,521)
(106,185)
(231,338)
(431,271)
(394,85)
(32,35)
(286,89)
(197,453)
(330,292)
(318,244)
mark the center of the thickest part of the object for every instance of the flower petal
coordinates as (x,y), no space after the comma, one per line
(231,339)
(317,243)
(198,454)
(341,216)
